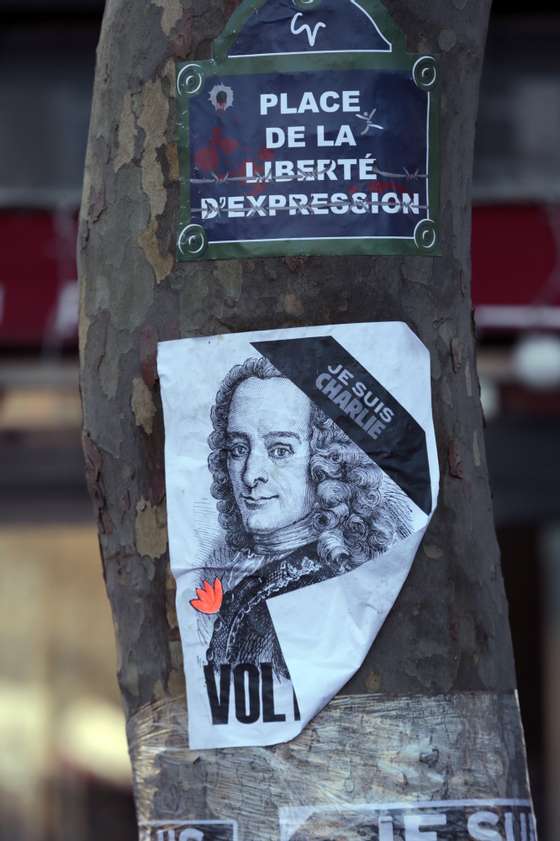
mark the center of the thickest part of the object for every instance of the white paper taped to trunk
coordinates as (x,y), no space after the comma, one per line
(301,474)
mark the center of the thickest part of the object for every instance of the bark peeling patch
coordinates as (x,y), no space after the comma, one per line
(97,203)
(415,271)
(148,241)
(230,277)
(143,405)
(373,682)
(148,355)
(150,529)
(85,321)
(171,14)
(296,264)
(455,461)
(93,465)
(456,354)
(117,342)
(129,677)
(476,450)
(446,394)
(172,156)
(126,136)
(447,40)
(293,305)
(468,380)
(153,119)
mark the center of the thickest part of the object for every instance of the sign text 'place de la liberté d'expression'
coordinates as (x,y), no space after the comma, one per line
(311,131)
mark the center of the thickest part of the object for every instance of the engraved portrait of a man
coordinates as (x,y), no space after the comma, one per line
(268,446)
(298,502)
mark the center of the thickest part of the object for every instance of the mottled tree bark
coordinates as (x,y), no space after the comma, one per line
(448,632)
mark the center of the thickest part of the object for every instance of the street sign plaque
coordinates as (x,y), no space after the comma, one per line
(310,131)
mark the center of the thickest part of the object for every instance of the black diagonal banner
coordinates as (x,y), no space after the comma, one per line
(360,406)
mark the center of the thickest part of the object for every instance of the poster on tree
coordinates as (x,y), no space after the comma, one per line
(301,474)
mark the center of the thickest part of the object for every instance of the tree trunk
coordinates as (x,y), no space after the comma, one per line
(440,675)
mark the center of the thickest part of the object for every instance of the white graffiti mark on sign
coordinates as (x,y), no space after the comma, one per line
(221,97)
(311,33)
(369,124)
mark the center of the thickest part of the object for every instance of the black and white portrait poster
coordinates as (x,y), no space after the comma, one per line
(301,474)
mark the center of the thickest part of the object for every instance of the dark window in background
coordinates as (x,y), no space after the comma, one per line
(46,77)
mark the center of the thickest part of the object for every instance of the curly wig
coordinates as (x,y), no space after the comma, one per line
(359,512)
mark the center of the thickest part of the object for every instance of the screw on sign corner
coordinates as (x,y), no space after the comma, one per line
(425,73)
(192,241)
(190,79)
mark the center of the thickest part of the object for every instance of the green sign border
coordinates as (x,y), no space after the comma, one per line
(190,76)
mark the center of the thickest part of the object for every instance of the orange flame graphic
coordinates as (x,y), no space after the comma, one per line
(209,597)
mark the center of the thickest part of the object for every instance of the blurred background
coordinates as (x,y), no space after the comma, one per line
(64,771)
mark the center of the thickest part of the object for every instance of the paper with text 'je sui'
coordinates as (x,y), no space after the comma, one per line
(301,474)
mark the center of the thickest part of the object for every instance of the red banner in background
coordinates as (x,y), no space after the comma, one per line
(516,267)
(38,278)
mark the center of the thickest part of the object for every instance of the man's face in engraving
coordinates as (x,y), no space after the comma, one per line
(268,453)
